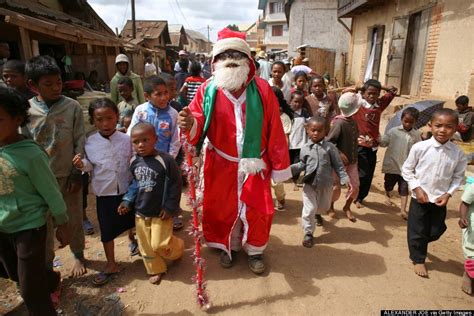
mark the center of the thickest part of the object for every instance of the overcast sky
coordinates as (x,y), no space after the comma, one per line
(193,14)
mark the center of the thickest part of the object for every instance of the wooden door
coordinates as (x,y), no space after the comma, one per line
(396,54)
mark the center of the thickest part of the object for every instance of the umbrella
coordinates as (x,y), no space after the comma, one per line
(426,108)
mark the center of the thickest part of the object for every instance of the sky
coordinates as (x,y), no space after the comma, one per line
(193,14)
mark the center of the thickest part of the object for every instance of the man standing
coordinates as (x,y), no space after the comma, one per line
(239,115)
(265,66)
(182,56)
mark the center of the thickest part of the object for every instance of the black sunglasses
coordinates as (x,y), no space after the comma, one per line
(230,54)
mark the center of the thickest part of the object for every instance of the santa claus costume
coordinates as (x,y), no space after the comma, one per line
(246,149)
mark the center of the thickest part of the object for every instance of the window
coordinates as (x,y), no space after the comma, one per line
(276,7)
(277,30)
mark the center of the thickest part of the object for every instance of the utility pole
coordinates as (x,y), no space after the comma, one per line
(208,39)
(134,29)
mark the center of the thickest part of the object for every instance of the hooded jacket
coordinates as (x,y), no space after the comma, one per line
(137,93)
(28,188)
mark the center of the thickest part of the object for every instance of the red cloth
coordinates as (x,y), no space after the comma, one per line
(228,33)
(368,120)
(195,79)
(220,210)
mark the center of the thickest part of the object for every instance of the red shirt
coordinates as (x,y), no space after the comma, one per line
(368,119)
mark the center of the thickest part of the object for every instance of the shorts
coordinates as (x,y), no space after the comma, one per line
(391,179)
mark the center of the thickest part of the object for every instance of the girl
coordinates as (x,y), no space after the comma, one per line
(301,83)
(278,70)
(286,116)
(319,101)
(108,153)
(298,135)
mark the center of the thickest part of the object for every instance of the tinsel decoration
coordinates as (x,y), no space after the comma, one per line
(195,201)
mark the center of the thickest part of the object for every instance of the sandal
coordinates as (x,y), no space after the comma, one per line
(308,241)
(133,247)
(102,278)
(177,223)
(88,228)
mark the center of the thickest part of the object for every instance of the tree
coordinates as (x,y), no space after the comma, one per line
(233,27)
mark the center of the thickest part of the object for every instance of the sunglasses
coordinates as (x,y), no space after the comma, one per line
(231,55)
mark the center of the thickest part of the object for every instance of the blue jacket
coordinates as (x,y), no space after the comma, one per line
(165,122)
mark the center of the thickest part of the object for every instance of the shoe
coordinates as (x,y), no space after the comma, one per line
(133,247)
(226,261)
(319,220)
(280,205)
(88,228)
(308,241)
(177,223)
(256,264)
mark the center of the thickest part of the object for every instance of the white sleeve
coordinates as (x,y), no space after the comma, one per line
(458,174)
(133,122)
(408,169)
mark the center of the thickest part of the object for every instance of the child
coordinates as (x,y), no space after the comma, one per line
(29,190)
(434,170)
(319,101)
(368,122)
(317,158)
(466,118)
(301,82)
(57,125)
(192,83)
(14,77)
(344,134)
(286,115)
(466,222)
(126,120)
(108,153)
(125,88)
(278,70)
(182,74)
(123,70)
(155,193)
(399,141)
(298,136)
(158,113)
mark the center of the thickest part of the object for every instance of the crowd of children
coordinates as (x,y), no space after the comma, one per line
(137,182)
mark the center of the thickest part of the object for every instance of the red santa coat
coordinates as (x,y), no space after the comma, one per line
(228,194)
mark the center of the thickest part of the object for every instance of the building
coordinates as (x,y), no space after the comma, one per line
(315,23)
(423,47)
(255,35)
(70,31)
(197,43)
(152,36)
(274,25)
(178,36)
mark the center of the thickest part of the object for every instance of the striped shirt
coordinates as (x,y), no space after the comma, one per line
(192,83)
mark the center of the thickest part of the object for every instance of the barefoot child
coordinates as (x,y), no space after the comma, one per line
(14,76)
(466,222)
(344,134)
(298,136)
(318,158)
(29,190)
(57,125)
(107,156)
(155,194)
(434,170)
(399,141)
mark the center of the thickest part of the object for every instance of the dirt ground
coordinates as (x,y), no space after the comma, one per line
(357,268)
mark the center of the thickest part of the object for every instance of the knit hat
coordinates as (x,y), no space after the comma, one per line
(122,58)
(228,39)
(349,103)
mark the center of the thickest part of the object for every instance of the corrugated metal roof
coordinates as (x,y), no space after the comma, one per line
(146,30)
(196,35)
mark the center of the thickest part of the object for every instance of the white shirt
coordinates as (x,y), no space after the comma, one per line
(436,168)
(286,89)
(108,159)
(150,70)
(298,136)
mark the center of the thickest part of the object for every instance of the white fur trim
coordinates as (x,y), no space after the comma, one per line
(231,43)
(251,165)
(281,175)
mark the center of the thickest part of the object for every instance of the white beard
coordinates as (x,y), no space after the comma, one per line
(231,78)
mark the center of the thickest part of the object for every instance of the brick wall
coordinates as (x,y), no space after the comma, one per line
(432,49)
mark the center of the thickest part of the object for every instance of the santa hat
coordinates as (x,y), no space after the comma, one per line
(228,39)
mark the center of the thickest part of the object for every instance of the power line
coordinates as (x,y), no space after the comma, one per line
(181,11)
(125,14)
(172,11)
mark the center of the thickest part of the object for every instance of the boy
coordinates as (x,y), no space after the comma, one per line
(28,190)
(155,194)
(14,77)
(399,141)
(434,170)
(344,135)
(57,125)
(128,103)
(158,113)
(192,83)
(318,158)
(123,70)
(368,123)
(466,118)
(466,222)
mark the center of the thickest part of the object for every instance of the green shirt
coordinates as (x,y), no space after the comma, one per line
(28,188)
